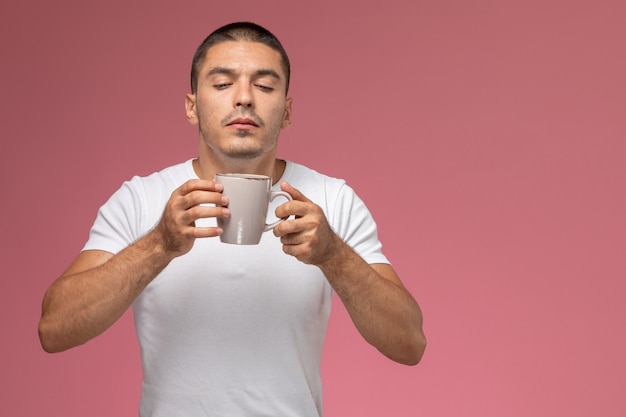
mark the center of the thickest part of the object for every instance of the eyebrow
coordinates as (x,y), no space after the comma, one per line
(231,71)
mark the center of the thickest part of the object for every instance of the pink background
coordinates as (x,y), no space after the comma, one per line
(487,137)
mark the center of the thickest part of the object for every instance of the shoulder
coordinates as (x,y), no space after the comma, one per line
(303,177)
(160,183)
(330,193)
(134,208)
(172,175)
(143,192)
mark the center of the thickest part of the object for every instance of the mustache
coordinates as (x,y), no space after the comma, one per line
(243,114)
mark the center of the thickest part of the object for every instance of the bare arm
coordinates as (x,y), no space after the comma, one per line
(98,287)
(383,311)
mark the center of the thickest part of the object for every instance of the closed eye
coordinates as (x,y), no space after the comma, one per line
(264,87)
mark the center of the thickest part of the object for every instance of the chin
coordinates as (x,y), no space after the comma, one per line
(243,153)
(242,147)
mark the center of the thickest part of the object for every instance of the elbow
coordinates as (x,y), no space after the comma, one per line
(50,330)
(412,352)
(45,339)
(417,352)
(49,341)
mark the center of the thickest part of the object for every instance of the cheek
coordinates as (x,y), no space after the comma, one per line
(207,115)
(278,118)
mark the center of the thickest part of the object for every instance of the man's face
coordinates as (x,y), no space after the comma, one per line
(240,104)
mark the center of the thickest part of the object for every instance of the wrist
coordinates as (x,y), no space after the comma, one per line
(336,253)
(156,245)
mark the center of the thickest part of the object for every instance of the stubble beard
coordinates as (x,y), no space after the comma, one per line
(238,148)
(242,146)
(244,152)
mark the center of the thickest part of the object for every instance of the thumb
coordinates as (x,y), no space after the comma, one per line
(294,192)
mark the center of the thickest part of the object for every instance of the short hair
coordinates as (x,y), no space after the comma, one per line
(238,31)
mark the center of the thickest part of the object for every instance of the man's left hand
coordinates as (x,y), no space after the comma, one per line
(307,235)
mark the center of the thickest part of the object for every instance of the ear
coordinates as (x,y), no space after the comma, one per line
(191,109)
(287,115)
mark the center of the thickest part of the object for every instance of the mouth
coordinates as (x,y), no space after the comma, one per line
(242,123)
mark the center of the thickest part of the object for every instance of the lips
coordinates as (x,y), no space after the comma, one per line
(243,121)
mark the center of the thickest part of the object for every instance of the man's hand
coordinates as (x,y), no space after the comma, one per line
(308,236)
(195,199)
(383,311)
(99,287)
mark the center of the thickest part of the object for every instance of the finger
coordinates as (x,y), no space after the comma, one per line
(293,239)
(288,227)
(294,208)
(191,215)
(294,192)
(203,232)
(300,252)
(202,185)
(196,198)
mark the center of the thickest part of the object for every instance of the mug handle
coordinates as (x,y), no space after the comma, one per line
(273,195)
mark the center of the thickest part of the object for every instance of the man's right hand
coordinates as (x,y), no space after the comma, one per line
(194,200)
(98,287)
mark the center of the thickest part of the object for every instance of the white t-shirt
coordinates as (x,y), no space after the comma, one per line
(230,330)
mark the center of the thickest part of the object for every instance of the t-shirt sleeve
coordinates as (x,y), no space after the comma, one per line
(118,221)
(353,222)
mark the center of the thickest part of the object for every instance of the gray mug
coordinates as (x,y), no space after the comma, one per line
(249,196)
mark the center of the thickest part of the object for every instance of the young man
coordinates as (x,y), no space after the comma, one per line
(228,329)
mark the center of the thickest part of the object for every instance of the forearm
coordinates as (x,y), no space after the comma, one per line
(82,304)
(383,311)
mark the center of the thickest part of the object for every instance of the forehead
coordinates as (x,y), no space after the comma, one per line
(242,55)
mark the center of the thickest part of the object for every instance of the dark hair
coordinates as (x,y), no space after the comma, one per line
(238,31)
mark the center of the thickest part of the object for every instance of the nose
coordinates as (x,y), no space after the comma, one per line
(243,96)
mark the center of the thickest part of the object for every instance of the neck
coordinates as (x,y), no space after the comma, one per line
(207,168)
